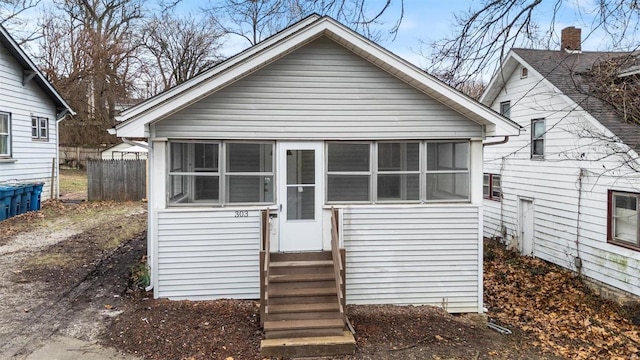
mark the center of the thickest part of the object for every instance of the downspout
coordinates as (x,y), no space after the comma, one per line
(150,213)
(59,117)
(503,141)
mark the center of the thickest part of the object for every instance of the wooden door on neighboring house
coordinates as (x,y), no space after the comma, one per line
(526,226)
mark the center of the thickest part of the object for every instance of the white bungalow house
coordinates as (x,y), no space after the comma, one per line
(30,110)
(568,191)
(316,117)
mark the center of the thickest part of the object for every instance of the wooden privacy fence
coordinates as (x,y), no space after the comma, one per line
(119,180)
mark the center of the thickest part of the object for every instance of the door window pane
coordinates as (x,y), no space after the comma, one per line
(300,202)
(301,167)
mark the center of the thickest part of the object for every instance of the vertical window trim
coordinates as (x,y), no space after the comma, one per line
(538,138)
(8,135)
(610,220)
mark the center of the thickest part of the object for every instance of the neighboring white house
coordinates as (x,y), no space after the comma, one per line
(312,118)
(568,190)
(30,110)
(125,151)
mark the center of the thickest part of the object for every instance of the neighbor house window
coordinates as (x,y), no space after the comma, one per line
(537,138)
(505,109)
(5,134)
(447,171)
(349,172)
(410,171)
(623,219)
(492,187)
(196,174)
(524,72)
(39,128)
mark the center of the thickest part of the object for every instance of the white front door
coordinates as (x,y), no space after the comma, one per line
(300,194)
(526,226)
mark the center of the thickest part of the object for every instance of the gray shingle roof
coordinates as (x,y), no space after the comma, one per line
(566,71)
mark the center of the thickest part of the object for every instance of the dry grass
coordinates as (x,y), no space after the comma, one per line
(72,181)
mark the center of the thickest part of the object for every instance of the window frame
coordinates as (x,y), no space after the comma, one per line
(611,220)
(377,172)
(222,174)
(505,109)
(492,187)
(423,172)
(8,154)
(541,138)
(369,173)
(41,124)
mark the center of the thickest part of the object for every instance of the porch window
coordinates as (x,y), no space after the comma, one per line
(447,171)
(348,172)
(5,135)
(249,173)
(398,171)
(194,172)
(623,219)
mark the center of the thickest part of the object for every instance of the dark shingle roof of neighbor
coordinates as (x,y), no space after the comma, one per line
(566,72)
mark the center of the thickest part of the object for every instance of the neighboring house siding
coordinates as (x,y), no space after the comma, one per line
(553,184)
(321,91)
(33,158)
(206,254)
(413,255)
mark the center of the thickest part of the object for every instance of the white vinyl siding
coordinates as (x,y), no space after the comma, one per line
(204,254)
(30,160)
(413,255)
(553,183)
(319,92)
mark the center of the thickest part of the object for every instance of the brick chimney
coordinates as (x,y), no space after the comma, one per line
(570,39)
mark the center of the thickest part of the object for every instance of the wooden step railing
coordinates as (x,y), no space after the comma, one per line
(265,252)
(338,267)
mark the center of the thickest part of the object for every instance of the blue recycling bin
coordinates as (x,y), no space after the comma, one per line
(16,199)
(6,193)
(35,197)
(25,201)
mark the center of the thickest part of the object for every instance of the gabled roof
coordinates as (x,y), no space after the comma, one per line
(31,71)
(279,45)
(566,71)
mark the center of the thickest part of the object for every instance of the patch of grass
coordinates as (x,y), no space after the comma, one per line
(73,181)
(48,260)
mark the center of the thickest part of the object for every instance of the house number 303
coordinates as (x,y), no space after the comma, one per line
(242,213)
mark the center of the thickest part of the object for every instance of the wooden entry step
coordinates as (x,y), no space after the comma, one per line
(342,344)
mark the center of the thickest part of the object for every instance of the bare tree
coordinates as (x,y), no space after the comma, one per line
(483,35)
(89,52)
(255,20)
(180,48)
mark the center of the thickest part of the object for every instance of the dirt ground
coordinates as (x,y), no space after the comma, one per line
(67,271)
(59,269)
